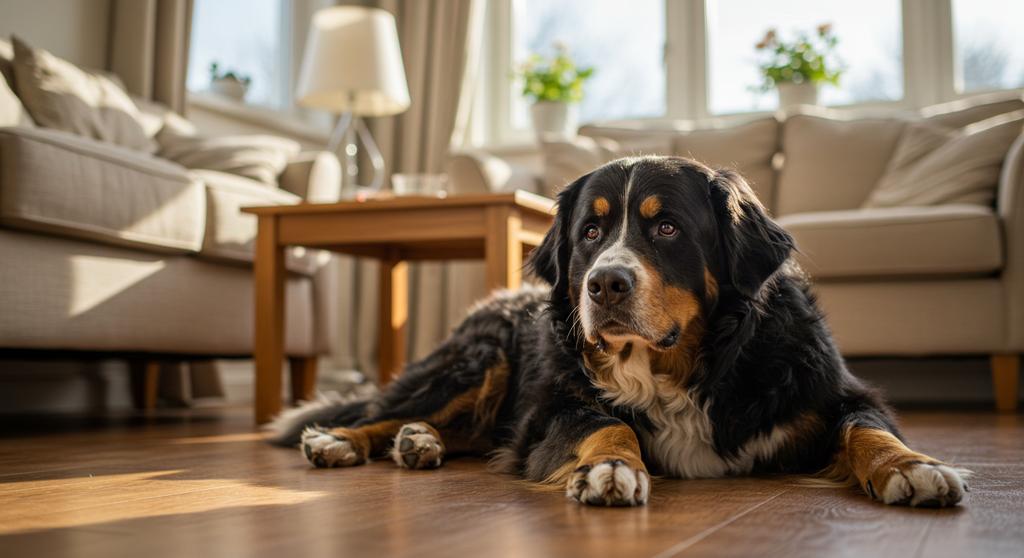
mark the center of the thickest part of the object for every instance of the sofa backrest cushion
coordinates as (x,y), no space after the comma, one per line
(832,163)
(749,148)
(61,96)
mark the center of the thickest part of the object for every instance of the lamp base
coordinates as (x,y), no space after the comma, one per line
(344,143)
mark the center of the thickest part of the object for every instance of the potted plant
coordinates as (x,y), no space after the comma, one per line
(798,67)
(231,84)
(555,87)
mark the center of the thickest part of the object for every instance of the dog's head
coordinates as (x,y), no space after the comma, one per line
(642,246)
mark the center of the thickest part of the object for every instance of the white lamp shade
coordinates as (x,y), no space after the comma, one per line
(353,63)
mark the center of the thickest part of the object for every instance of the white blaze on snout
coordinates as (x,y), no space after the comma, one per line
(617,254)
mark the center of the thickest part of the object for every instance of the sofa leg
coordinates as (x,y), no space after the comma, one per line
(303,375)
(1006,382)
(145,381)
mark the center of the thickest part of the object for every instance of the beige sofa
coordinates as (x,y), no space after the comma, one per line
(110,250)
(902,281)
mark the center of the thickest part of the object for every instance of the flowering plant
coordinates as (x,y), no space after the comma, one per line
(807,58)
(553,79)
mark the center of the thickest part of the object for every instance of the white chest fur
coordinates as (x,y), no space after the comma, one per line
(680,441)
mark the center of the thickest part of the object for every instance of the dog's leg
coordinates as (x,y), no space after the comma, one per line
(595,456)
(409,426)
(345,447)
(891,472)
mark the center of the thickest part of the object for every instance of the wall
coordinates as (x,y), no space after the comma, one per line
(72,29)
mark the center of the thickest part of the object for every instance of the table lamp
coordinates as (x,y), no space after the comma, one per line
(352,66)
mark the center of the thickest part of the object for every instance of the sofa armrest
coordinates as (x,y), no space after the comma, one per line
(314,176)
(479,172)
(62,183)
(1010,206)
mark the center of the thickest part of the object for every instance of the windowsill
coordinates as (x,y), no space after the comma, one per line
(277,120)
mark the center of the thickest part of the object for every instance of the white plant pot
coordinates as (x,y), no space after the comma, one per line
(792,94)
(230,88)
(554,118)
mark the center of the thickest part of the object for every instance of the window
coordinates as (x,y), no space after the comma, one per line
(989,49)
(624,41)
(869,48)
(248,37)
(691,59)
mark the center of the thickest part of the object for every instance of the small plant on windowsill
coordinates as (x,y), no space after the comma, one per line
(230,83)
(555,87)
(798,67)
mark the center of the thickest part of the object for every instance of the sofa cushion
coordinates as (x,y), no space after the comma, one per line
(934,165)
(749,148)
(69,185)
(231,234)
(260,158)
(62,96)
(832,163)
(898,241)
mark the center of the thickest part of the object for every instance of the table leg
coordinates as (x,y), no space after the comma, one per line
(268,344)
(503,249)
(393,317)
(303,375)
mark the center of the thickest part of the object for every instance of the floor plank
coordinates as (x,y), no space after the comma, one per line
(202,483)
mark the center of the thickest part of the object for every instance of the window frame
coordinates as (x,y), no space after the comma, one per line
(930,75)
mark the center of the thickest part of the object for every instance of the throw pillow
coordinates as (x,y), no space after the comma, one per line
(260,158)
(934,165)
(12,112)
(61,96)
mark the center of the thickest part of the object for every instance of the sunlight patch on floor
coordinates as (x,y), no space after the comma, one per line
(62,503)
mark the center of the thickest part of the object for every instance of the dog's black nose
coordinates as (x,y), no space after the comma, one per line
(608,286)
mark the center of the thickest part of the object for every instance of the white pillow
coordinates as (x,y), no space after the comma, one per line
(61,96)
(935,165)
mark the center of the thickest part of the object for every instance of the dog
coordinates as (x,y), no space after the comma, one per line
(677,337)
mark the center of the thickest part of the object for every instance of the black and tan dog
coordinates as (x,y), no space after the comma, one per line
(677,338)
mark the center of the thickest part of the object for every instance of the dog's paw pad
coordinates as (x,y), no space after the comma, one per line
(922,484)
(324,449)
(609,483)
(417,446)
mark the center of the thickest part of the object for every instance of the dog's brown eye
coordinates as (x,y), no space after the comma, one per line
(591,232)
(667,229)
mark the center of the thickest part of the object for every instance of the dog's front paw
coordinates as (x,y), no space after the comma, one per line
(418,446)
(917,483)
(324,449)
(609,483)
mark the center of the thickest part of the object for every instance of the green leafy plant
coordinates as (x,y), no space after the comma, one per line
(553,79)
(807,58)
(216,74)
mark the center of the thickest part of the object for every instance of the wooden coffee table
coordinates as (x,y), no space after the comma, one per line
(499,228)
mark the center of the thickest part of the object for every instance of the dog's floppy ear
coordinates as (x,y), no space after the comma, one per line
(550,260)
(754,246)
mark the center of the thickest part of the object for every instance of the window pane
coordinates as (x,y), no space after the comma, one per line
(870,48)
(989,47)
(244,36)
(623,41)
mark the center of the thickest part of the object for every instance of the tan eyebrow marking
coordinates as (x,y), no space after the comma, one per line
(601,206)
(650,207)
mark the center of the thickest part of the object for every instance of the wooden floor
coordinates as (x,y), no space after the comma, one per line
(202,484)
